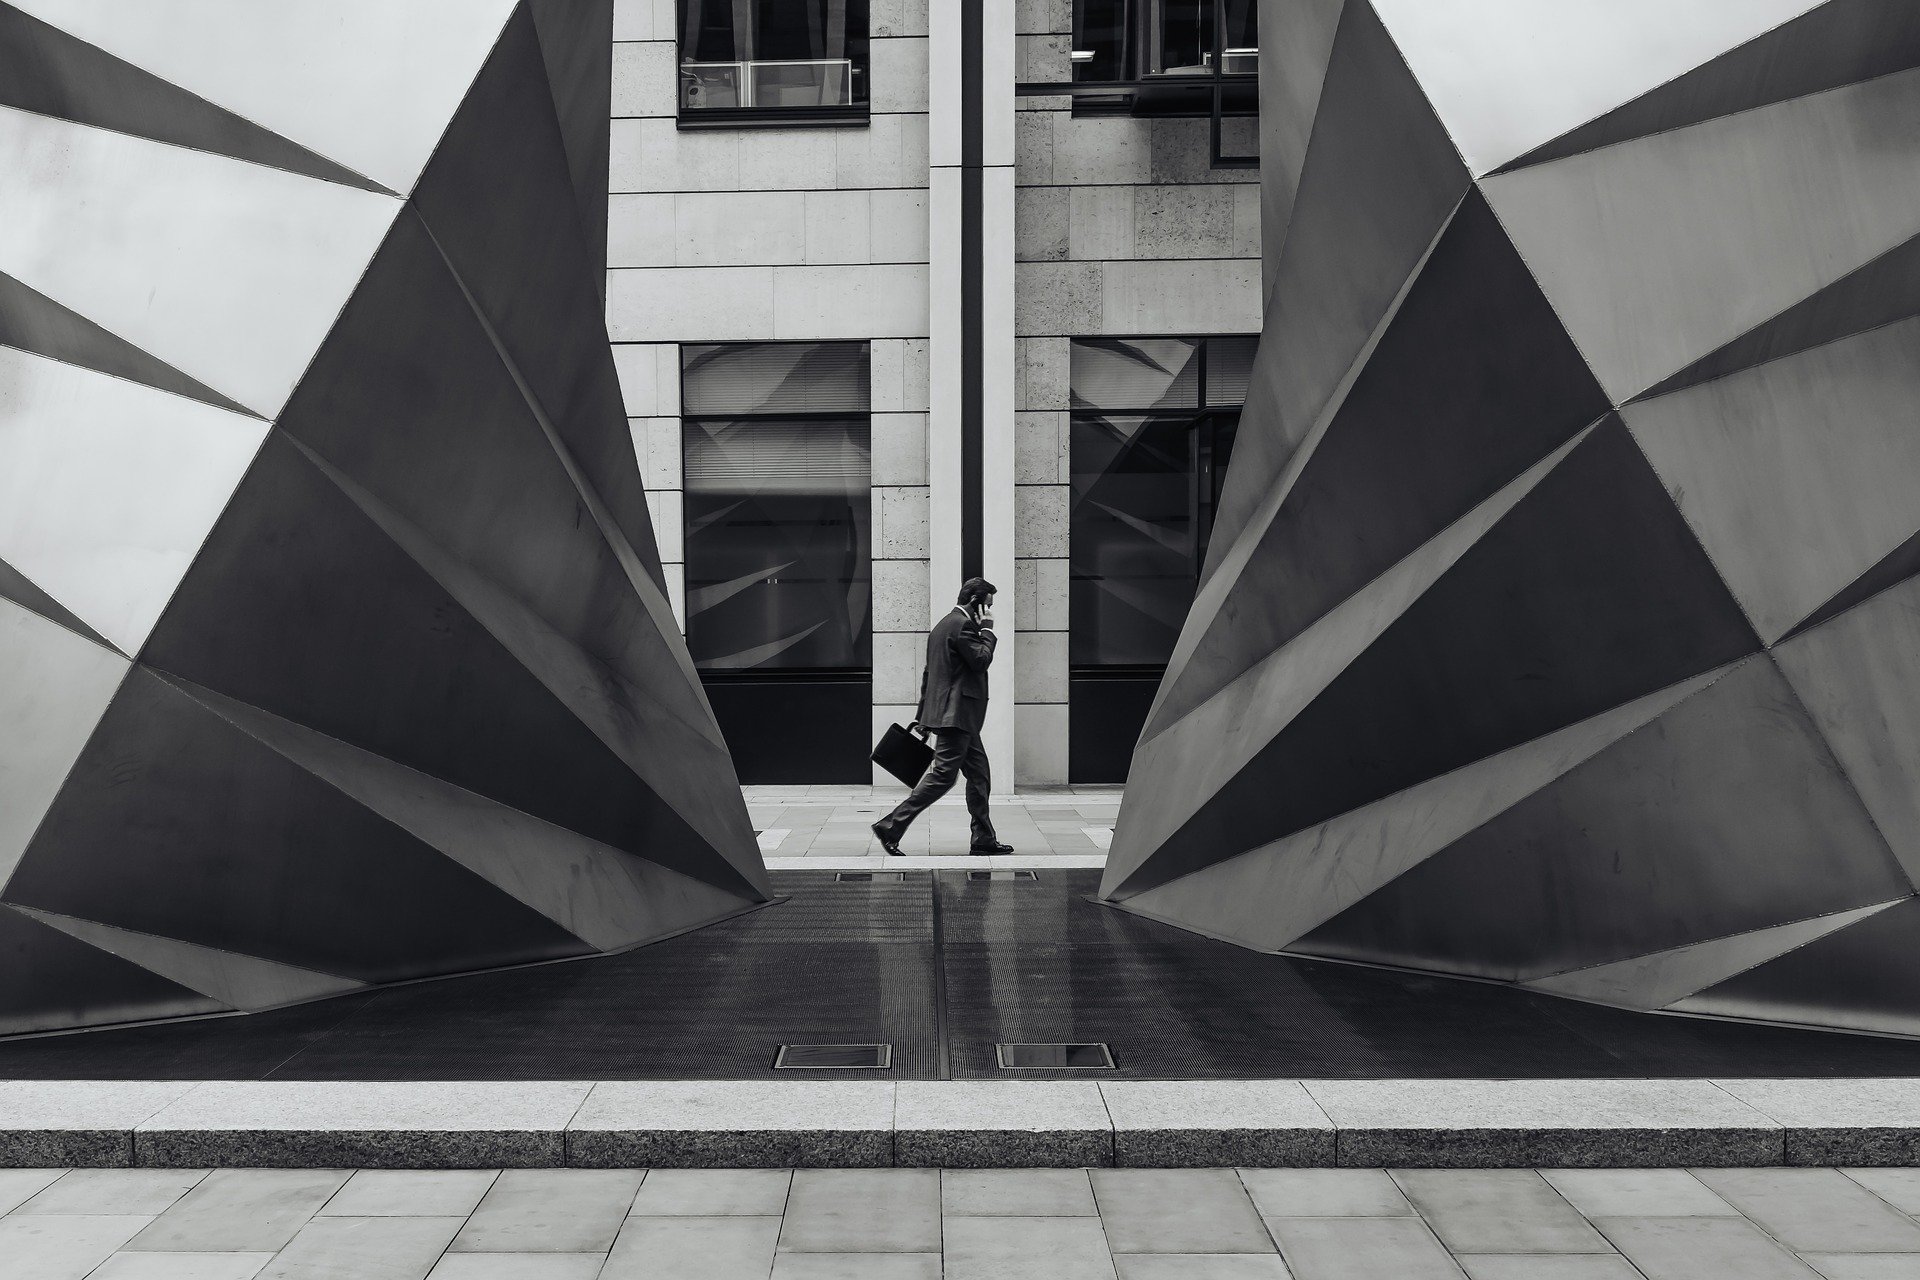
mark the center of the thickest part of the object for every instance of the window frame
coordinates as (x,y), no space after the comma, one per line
(842,115)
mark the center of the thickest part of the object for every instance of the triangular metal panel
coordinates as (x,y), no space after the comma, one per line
(53,982)
(230,272)
(367,83)
(1507,75)
(108,488)
(16,587)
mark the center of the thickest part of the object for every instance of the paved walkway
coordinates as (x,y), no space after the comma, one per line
(816,822)
(911,1224)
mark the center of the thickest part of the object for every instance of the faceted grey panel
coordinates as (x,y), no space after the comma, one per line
(1293,69)
(1620,705)
(407,697)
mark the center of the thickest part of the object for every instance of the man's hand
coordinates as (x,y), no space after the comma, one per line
(983,614)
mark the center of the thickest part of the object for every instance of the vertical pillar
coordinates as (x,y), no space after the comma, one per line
(971,370)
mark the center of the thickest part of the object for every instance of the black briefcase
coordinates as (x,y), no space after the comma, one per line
(903,753)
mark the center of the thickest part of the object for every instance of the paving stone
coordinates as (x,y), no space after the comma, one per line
(714,1193)
(419,1193)
(1021,1248)
(1498,1211)
(1044,1193)
(863,1211)
(1200,1266)
(519,1266)
(1898,1187)
(45,1123)
(63,1246)
(1839,1121)
(856,1266)
(1637,1193)
(1692,1248)
(1178,1211)
(1001,1124)
(734,1123)
(17,1186)
(1324,1193)
(550,1211)
(1558,1123)
(1159,1124)
(1362,1249)
(146,1191)
(1548,1266)
(1865,1266)
(739,1248)
(364,1249)
(362,1123)
(1815,1210)
(241,1211)
(182,1266)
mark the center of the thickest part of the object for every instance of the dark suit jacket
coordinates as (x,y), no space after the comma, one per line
(953,692)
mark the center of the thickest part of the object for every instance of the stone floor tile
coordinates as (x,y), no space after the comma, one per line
(1178,1211)
(739,1123)
(856,1266)
(63,1246)
(1638,1193)
(711,1248)
(1498,1211)
(550,1211)
(411,1193)
(1815,1210)
(714,1193)
(1061,1124)
(241,1211)
(17,1186)
(519,1266)
(1043,1193)
(1324,1193)
(1865,1266)
(1548,1266)
(364,1249)
(145,1191)
(1023,1248)
(1695,1248)
(863,1211)
(1201,1266)
(1898,1187)
(182,1266)
(1210,1123)
(1362,1249)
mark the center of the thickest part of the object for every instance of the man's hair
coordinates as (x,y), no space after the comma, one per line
(976,589)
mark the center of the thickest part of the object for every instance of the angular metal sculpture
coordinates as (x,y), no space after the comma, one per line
(1562,624)
(334,649)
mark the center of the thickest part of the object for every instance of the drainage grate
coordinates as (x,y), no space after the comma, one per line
(833,1057)
(1056,1057)
(890,877)
(1003,875)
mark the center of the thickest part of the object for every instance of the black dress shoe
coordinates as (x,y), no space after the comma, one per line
(890,846)
(984,850)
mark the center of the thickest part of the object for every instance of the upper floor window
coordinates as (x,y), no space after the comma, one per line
(1160,56)
(770,59)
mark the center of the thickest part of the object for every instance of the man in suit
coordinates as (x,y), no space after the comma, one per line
(953,706)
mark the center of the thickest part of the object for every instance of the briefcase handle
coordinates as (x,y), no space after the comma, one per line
(919,731)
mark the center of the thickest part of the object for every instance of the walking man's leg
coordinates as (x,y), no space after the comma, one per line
(949,752)
(979,786)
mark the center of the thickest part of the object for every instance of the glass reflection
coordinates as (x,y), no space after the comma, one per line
(772,55)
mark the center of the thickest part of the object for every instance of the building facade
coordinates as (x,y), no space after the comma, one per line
(899,295)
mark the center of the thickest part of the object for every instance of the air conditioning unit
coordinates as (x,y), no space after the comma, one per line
(713,84)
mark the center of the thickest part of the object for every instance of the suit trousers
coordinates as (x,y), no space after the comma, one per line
(955,752)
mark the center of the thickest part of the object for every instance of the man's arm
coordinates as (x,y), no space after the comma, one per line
(973,644)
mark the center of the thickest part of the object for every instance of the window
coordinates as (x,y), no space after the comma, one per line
(778,554)
(748,60)
(1152,432)
(1159,57)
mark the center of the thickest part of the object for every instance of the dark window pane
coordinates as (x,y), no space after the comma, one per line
(1100,31)
(1180,36)
(774,377)
(1134,543)
(1229,365)
(778,556)
(773,53)
(1135,373)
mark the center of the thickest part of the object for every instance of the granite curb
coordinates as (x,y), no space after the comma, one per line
(960,1124)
